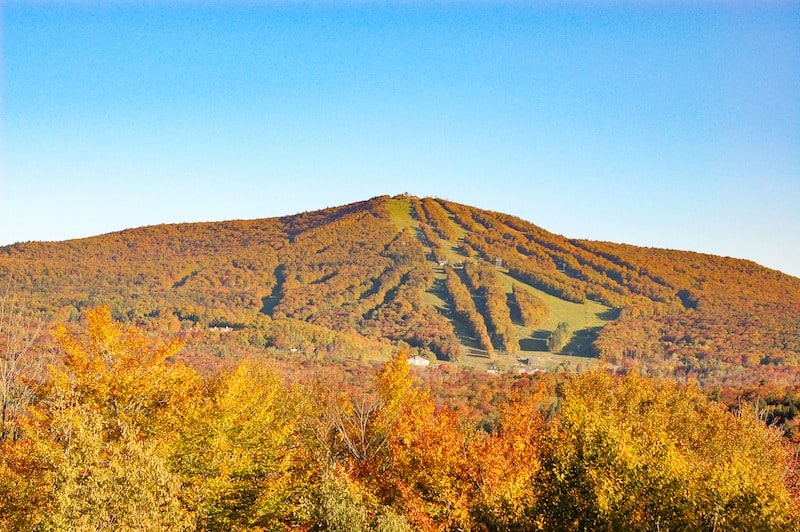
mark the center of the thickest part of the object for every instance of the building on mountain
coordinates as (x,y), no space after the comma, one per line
(417,360)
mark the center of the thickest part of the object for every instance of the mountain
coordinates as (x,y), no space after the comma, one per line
(459,283)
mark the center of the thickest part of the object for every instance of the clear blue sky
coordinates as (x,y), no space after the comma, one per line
(653,123)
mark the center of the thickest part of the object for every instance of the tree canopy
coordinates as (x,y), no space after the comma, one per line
(120,437)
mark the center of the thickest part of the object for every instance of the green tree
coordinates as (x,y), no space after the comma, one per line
(559,338)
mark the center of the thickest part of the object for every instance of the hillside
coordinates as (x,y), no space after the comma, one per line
(456,282)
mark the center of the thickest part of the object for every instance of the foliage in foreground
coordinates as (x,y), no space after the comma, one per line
(119,438)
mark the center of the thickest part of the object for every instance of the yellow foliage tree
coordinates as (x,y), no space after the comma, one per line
(641,454)
(238,449)
(97,437)
(119,438)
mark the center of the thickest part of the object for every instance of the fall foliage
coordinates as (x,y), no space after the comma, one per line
(234,375)
(121,437)
(363,278)
(464,307)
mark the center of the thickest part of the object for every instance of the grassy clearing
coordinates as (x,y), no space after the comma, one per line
(400,213)
(435,296)
(577,315)
(581,318)
(541,361)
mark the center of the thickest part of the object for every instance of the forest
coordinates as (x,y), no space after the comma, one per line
(117,435)
(252,374)
(375,275)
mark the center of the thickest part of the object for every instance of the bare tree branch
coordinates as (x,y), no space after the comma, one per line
(19,331)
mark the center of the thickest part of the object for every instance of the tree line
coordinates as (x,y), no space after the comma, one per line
(464,308)
(483,280)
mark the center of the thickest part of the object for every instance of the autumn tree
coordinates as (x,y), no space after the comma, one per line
(99,433)
(532,310)
(120,437)
(638,454)
(347,441)
(464,308)
(503,466)
(483,279)
(437,216)
(423,475)
(236,448)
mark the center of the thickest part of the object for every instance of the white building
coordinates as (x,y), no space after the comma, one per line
(417,360)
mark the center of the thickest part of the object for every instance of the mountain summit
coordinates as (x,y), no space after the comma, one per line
(454,282)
